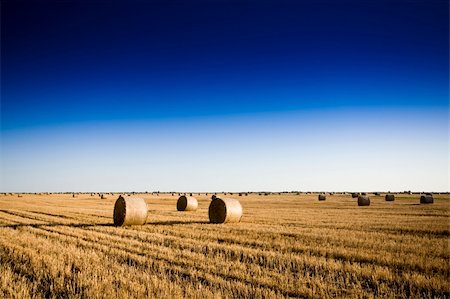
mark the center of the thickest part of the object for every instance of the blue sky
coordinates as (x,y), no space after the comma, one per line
(255,95)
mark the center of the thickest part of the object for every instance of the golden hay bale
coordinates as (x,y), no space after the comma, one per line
(389,197)
(322,197)
(424,199)
(363,200)
(225,210)
(187,203)
(130,211)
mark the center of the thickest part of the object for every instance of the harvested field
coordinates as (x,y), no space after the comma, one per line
(285,246)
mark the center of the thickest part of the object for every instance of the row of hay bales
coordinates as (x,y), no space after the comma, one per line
(364,200)
(134,210)
(220,210)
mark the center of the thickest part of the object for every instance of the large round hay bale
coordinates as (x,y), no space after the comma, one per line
(322,197)
(389,197)
(130,211)
(363,200)
(426,199)
(225,210)
(187,203)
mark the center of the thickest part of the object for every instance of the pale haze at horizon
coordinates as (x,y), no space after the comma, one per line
(359,149)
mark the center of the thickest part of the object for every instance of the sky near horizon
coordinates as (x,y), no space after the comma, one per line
(230,96)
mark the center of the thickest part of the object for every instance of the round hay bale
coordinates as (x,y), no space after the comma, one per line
(130,211)
(363,201)
(425,199)
(225,210)
(389,197)
(213,197)
(187,203)
(322,197)
(354,195)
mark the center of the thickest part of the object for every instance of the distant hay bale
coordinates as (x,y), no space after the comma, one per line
(225,210)
(103,196)
(389,197)
(363,200)
(354,195)
(377,193)
(425,199)
(187,203)
(130,211)
(322,197)
(364,193)
(240,194)
(213,197)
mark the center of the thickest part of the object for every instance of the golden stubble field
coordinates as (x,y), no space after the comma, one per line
(56,246)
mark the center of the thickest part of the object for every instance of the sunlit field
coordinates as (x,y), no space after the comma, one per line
(286,245)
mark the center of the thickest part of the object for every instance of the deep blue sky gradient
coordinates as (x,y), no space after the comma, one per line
(71,61)
(224,95)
